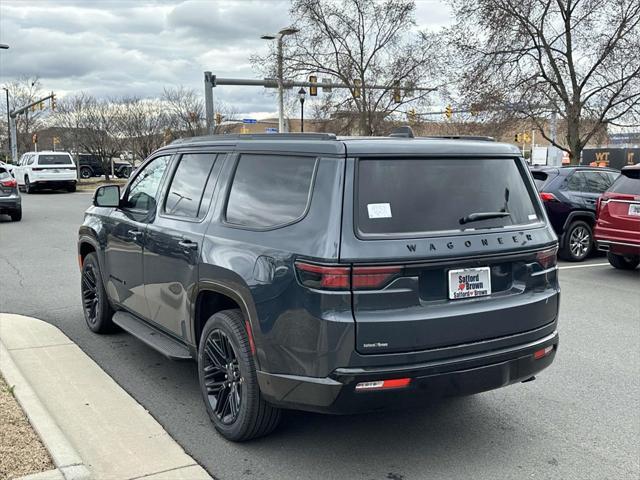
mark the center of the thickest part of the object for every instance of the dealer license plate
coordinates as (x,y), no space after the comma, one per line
(469,283)
(634,209)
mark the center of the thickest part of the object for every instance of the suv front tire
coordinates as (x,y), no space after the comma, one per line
(95,305)
(228,380)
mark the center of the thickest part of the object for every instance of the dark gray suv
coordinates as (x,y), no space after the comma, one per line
(311,272)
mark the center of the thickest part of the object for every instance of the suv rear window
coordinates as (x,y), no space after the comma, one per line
(54,160)
(413,196)
(628,183)
(540,179)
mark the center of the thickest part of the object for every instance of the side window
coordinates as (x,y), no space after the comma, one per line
(184,197)
(144,187)
(269,190)
(597,182)
(32,159)
(577,182)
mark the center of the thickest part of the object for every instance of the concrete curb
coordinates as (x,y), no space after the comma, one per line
(91,426)
(64,455)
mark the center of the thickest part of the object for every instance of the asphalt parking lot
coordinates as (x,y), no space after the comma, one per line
(578,420)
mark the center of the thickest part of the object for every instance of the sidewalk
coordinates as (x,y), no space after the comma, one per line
(91,427)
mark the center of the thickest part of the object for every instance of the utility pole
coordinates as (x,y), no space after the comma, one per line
(209,83)
(6,91)
(12,118)
(553,130)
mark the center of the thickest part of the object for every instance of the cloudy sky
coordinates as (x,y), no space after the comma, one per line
(119,47)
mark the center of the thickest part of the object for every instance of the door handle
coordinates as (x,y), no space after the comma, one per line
(134,233)
(188,244)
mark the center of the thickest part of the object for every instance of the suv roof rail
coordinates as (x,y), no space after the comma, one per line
(463,137)
(405,132)
(257,136)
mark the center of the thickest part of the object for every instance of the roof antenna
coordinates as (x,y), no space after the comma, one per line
(403,132)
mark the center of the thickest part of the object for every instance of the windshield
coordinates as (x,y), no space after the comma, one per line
(413,196)
(54,160)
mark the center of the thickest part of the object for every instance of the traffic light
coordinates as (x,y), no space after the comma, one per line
(56,140)
(54,104)
(448,112)
(218,118)
(518,138)
(34,138)
(356,89)
(313,89)
(526,138)
(397,97)
(412,115)
(41,105)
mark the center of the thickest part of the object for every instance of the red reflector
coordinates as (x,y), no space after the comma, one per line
(538,354)
(383,384)
(547,258)
(252,345)
(12,182)
(548,197)
(373,277)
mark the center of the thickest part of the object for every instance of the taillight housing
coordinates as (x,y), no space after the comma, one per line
(334,277)
(11,182)
(547,258)
(548,197)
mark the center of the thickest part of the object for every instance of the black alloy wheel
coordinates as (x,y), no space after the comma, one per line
(95,304)
(90,294)
(222,378)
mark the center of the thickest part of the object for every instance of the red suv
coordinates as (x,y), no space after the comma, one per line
(617,230)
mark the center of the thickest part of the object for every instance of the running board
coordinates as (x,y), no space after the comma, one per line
(163,343)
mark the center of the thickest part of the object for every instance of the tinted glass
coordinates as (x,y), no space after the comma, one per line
(187,187)
(144,187)
(269,190)
(4,174)
(627,185)
(54,160)
(596,182)
(540,178)
(31,159)
(407,196)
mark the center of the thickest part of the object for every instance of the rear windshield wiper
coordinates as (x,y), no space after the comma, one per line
(475,217)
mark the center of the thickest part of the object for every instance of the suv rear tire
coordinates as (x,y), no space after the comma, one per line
(95,304)
(86,172)
(28,188)
(577,242)
(16,215)
(228,380)
(622,262)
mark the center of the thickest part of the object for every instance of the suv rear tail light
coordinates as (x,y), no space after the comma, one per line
(548,197)
(332,277)
(547,258)
(12,182)
(383,384)
(324,277)
(538,354)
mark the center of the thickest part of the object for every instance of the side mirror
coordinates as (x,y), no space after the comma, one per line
(107,196)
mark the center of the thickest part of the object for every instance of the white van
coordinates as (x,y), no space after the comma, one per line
(46,169)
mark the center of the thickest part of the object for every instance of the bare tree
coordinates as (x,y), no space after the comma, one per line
(185,108)
(141,125)
(360,41)
(580,58)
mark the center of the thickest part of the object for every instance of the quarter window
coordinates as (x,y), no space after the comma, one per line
(144,188)
(184,197)
(269,191)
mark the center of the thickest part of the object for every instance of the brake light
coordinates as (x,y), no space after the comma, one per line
(548,197)
(383,384)
(12,182)
(332,277)
(548,258)
(372,277)
(324,277)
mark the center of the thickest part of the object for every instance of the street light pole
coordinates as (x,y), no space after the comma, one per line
(301,94)
(6,91)
(279,70)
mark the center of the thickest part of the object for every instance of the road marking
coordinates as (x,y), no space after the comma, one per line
(584,266)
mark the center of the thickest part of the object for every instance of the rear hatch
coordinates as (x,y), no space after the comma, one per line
(446,252)
(55,165)
(619,208)
(8,184)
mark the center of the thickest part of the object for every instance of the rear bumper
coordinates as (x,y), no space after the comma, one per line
(618,247)
(10,203)
(457,376)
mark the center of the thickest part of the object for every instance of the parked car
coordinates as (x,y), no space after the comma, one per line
(299,276)
(46,169)
(569,195)
(617,231)
(91,166)
(10,201)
